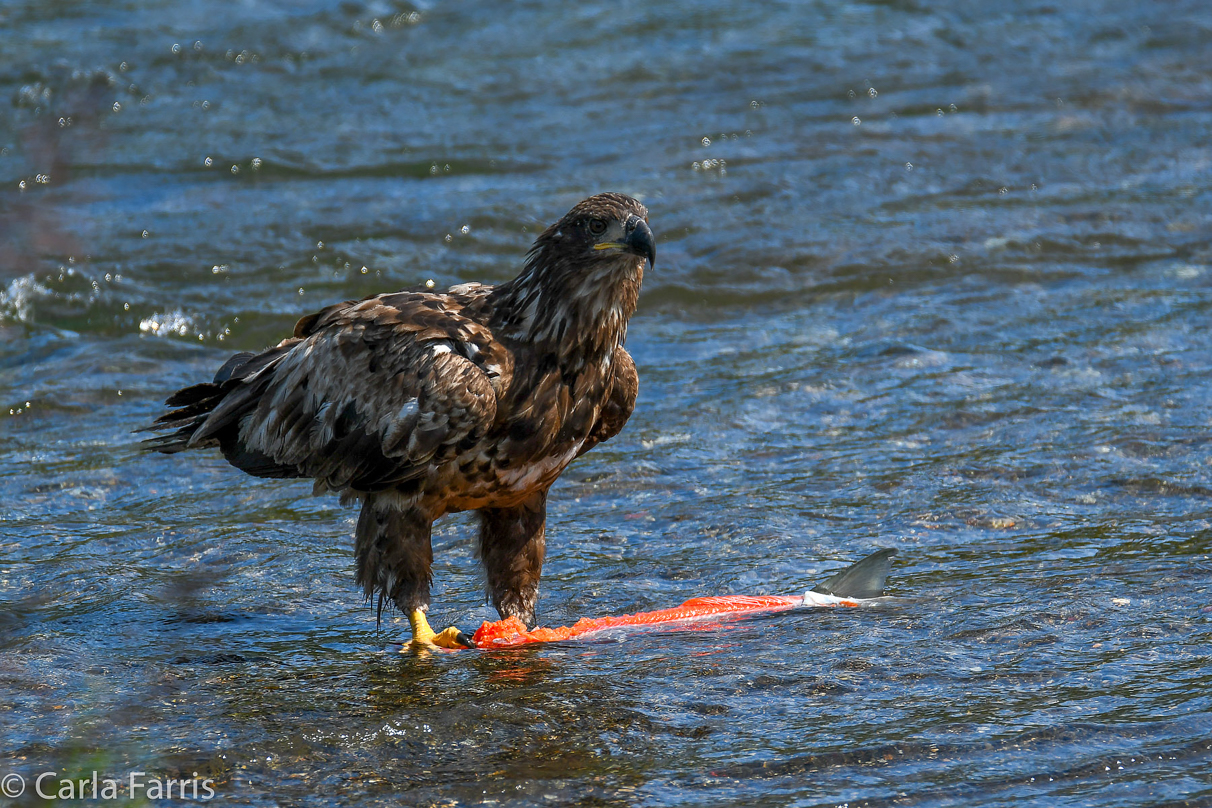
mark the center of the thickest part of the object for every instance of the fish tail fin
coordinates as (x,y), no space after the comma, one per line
(862,579)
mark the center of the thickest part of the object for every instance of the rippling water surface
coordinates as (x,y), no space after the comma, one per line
(931,276)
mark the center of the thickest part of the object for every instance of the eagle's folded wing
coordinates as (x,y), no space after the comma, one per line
(624,386)
(366,396)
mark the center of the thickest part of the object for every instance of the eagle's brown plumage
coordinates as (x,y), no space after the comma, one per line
(420,404)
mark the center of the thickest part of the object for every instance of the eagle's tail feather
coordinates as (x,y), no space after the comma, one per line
(202,410)
(194,394)
(194,405)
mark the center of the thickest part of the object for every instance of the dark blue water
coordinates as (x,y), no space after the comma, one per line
(930,276)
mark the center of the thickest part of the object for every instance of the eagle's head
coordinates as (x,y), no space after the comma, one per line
(599,231)
(582,277)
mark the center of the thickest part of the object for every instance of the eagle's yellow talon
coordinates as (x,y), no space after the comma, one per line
(425,637)
(451,638)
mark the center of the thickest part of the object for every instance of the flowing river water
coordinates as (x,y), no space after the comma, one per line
(930,276)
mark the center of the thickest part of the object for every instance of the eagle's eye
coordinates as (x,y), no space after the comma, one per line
(597,226)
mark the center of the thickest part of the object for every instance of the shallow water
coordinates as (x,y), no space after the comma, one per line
(933,277)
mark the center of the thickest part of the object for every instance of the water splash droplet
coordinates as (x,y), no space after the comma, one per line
(465,229)
(908,166)
(855,120)
(429,284)
(706,141)
(871,91)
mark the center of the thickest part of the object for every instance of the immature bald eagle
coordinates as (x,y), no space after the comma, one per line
(421,404)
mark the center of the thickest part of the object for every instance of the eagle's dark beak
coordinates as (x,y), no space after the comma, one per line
(639,239)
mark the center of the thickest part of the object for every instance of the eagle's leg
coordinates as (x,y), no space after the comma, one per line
(394,558)
(512,545)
